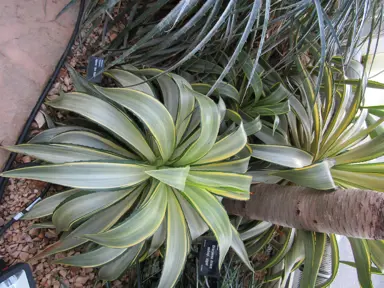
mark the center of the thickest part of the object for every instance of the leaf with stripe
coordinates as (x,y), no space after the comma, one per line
(93,140)
(225,184)
(115,268)
(107,116)
(128,79)
(178,245)
(86,175)
(175,177)
(371,181)
(256,230)
(280,254)
(151,112)
(210,121)
(362,257)
(376,248)
(46,206)
(79,207)
(364,152)
(47,135)
(95,258)
(238,246)
(129,233)
(335,262)
(62,153)
(158,238)
(214,214)
(282,155)
(314,244)
(223,89)
(226,147)
(317,176)
(99,222)
(196,224)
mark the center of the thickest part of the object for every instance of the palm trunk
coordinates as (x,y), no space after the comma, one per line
(351,212)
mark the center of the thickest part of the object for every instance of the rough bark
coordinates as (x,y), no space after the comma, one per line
(351,212)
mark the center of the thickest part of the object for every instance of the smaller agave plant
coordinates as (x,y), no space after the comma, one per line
(151,175)
(254,94)
(322,143)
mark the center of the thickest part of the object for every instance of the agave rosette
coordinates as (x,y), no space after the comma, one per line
(322,143)
(152,175)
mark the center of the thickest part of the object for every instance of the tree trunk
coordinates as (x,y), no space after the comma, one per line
(351,212)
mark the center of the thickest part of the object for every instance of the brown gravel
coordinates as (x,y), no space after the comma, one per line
(20,243)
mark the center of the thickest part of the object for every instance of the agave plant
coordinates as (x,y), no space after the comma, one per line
(321,143)
(164,33)
(153,173)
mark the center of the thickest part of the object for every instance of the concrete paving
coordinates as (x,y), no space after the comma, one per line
(31,43)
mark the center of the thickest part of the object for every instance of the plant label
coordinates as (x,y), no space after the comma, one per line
(95,69)
(209,258)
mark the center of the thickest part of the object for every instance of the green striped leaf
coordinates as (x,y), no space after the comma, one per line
(376,248)
(129,233)
(238,246)
(264,176)
(151,112)
(295,255)
(62,153)
(236,166)
(93,140)
(374,270)
(268,137)
(223,89)
(210,121)
(168,88)
(186,105)
(107,116)
(225,184)
(258,229)
(46,206)
(362,257)
(280,254)
(178,245)
(99,222)
(377,111)
(247,67)
(362,168)
(174,177)
(196,224)
(253,247)
(314,244)
(282,155)
(364,152)
(317,176)
(335,261)
(86,175)
(371,181)
(253,126)
(83,206)
(370,83)
(226,147)
(278,94)
(127,79)
(158,238)
(47,135)
(214,214)
(43,225)
(95,258)
(114,269)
